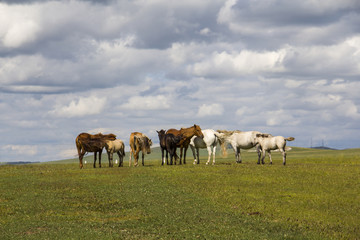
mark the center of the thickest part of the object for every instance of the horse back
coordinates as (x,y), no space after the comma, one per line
(173,131)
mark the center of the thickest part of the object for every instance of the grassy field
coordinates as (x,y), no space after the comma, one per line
(315,196)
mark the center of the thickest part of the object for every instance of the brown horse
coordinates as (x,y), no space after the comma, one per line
(168,143)
(187,134)
(139,142)
(86,142)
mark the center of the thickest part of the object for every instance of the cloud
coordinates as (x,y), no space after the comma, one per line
(147,103)
(214,109)
(240,64)
(82,107)
(284,67)
(28,150)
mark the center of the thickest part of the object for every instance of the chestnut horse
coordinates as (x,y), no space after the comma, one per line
(86,142)
(187,134)
(139,142)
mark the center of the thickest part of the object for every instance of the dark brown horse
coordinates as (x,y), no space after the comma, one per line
(186,135)
(86,142)
(168,143)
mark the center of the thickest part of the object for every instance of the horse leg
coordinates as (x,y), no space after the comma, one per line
(185,149)
(258,150)
(95,159)
(284,156)
(81,156)
(120,159)
(110,156)
(214,153)
(238,155)
(181,154)
(209,154)
(142,155)
(171,152)
(269,153)
(263,156)
(197,155)
(100,153)
(194,153)
(162,156)
(136,157)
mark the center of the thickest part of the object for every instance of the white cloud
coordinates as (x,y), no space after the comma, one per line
(82,107)
(240,64)
(28,150)
(214,109)
(274,66)
(147,103)
(18,25)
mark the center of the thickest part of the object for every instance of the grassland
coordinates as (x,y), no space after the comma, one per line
(316,196)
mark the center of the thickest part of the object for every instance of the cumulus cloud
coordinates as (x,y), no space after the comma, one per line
(81,107)
(120,66)
(240,64)
(27,150)
(147,103)
(214,109)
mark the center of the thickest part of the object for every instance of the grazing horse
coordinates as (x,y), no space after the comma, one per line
(86,142)
(116,146)
(238,140)
(268,143)
(187,134)
(209,141)
(139,142)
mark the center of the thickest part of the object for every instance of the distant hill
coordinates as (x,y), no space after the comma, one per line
(324,148)
(19,162)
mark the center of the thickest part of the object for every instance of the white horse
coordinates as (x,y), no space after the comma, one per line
(268,143)
(238,140)
(116,146)
(209,141)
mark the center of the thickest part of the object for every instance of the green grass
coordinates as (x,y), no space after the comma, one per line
(316,196)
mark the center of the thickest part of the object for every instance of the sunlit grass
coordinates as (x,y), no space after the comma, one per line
(316,196)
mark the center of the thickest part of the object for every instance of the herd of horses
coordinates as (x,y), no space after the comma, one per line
(172,139)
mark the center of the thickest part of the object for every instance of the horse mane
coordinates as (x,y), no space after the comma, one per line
(225,134)
(228,133)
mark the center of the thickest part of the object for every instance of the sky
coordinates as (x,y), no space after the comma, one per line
(289,68)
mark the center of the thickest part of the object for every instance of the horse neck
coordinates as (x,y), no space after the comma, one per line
(188,132)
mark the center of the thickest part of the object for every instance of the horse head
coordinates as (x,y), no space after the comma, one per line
(147,145)
(161,134)
(198,131)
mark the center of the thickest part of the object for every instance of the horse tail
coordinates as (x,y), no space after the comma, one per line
(134,144)
(222,143)
(78,145)
(123,149)
(290,139)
